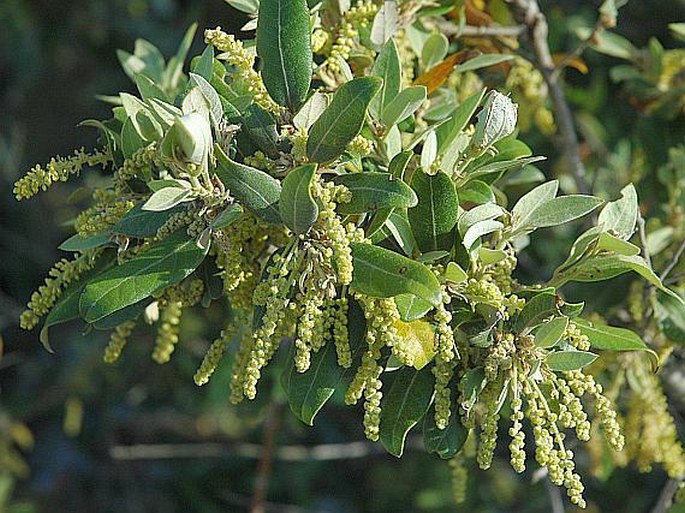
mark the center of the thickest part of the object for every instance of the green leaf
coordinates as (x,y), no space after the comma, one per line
(372,191)
(387,67)
(434,50)
(227,216)
(262,130)
(310,111)
(478,230)
(485,212)
(620,216)
(611,338)
(477,192)
(536,310)
(446,443)
(256,190)
(164,264)
(284,47)
(398,165)
(448,131)
(379,272)
(489,256)
(670,315)
(454,273)
(499,167)
(211,96)
(204,65)
(403,105)
(129,313)
(530,202)
(562,210)
(434,217)
(131,141)
(141,223)
(148,89)
(385,23)
(403,406)
(605,266)
(342,120)
(482,61)
(167,198)
(608,242)
(549,333)
(472,383)
(308,392)
(565,361)
(398,226)
(79,242)
(411,307)
(298,208)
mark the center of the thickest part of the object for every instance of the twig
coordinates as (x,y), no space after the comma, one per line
(261,483)
(451,29)
(528,12)
(643,239)
(674,261)
(666,496)
(287,453)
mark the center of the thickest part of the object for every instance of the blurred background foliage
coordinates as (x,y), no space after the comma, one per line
(77,435)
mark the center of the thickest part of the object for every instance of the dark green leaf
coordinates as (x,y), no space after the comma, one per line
(379,272)
(342,120)
(142,223)
(254,189)
(403,406)
(120,316)
(298,209)
(283,45)
(79,242)
(372,191)
(434,218)
(164,264)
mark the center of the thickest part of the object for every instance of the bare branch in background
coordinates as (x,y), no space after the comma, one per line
(666,496)
(274,416)
(528,13)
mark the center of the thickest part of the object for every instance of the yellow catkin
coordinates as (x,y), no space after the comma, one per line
(167,335)
(117,341)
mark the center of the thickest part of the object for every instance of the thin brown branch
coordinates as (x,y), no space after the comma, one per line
(261,483)
(451,29)
(528,13)
(287,453)
(674,261)
(665,499)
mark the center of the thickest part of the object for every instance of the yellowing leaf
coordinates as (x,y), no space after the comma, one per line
(416,341)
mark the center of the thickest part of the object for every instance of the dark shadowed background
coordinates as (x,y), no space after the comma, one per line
(79,436)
